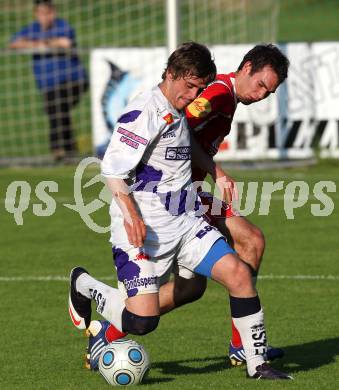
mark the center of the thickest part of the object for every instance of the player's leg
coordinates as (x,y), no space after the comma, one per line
(132,308)
(186,287)
(249,243)
(66,131)
(207,253)
(70,94)
(180,291)
(136,313)
(183,290)
(53,109)
(239,232)
(77,90)
(247,239)
(247,314)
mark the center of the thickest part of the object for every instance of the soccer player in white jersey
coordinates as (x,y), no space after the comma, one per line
(148,170)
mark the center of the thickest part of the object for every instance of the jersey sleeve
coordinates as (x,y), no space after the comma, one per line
(132,135)
(214,98)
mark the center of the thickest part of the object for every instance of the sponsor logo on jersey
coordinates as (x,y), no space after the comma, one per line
(200,107)
(168,118)
(178,153)
(142,256)
(129,142)
(131,139)
(169,133)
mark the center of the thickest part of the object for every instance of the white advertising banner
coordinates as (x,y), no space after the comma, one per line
(302,116)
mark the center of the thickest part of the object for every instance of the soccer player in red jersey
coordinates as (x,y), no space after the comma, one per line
(210,117)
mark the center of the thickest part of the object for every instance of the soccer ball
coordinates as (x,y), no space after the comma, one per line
(123,362)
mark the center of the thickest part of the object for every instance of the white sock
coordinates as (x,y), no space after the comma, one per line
(253,337)
(110,302)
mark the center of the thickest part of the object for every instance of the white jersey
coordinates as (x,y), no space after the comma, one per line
(150,149)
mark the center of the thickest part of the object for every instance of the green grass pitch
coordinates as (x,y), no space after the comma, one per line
(41,349)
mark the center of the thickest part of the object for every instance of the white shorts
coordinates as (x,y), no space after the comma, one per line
(143,270)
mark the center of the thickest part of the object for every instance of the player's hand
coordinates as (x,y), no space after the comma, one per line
(226,185)
(39,44)
(136,230)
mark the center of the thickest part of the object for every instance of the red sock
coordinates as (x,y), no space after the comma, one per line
(236,339)
(112,333)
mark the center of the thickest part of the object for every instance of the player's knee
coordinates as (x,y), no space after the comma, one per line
(138,325)
(188,290)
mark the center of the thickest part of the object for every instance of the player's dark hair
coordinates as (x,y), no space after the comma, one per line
(49,3)
(191,59)
(267,54)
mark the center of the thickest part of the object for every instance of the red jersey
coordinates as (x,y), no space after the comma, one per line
(210,115)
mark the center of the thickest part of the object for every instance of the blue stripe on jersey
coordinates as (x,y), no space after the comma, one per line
(219,249)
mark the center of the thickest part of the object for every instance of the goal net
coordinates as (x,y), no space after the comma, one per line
(25,125)
(229,21)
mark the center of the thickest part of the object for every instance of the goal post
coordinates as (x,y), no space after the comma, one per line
(173,24)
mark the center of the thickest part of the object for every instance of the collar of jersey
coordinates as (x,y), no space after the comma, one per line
(167,105)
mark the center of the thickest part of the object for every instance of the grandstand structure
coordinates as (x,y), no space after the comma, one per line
(115,24)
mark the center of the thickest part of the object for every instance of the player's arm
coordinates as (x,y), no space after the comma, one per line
(204,161)
(65,41)
(25,43)
(128,144)
(53,43)
(59,43)
(212,99)
(134,224)
(27,38)
(216,98)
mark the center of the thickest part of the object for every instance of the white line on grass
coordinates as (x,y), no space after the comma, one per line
(299,277)
(49,278)
(57,278)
